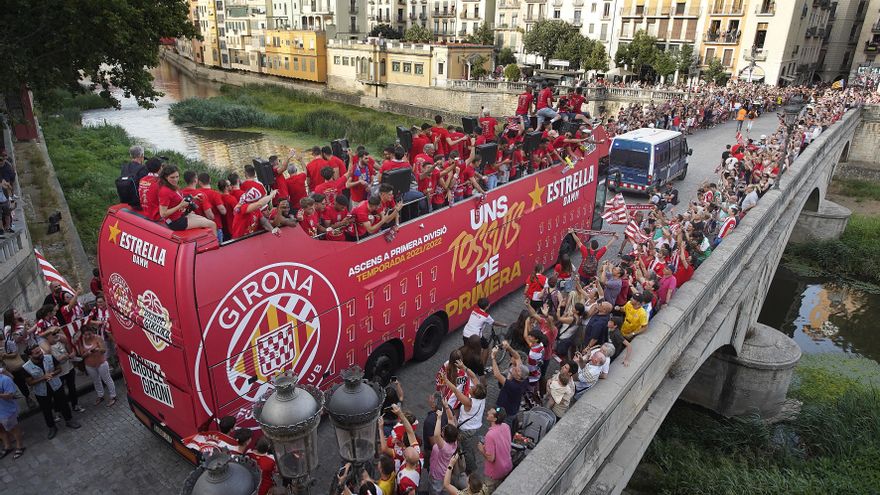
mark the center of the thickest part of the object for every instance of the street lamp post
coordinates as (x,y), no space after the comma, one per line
(221,474)
(354,406)
(289,417)
(791,112)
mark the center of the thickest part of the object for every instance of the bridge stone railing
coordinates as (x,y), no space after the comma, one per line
(591,92)
(724,297)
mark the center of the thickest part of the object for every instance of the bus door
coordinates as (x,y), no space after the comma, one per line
(676,157)
(629,165)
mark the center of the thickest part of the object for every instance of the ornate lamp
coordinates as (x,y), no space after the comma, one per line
(354,406)
(289,417)
(221,474)
(792,110)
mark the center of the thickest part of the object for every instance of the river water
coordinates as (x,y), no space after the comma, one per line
(224,149)
(823,316)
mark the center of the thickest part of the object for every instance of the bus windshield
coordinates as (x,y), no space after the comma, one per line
(629,159)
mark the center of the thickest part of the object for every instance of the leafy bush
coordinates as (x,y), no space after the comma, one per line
(855,255)
(829,448)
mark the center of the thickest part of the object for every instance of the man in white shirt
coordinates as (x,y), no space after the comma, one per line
(750,200)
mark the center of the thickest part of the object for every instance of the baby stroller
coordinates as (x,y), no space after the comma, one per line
(529,428)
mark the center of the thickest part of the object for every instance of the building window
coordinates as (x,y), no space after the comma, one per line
(710,54)
(592,28)
(382,68)
(312,65)
(557,14)
(604,34)
(593,7)
(577,16)
(407,67)
(420,69)
(606,10)
(344,60)
(440,68)
(395,66)
(679,8)
(337,60)
(296,63)
(287,63)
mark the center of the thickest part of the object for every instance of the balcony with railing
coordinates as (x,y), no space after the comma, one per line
(765,8)
(444,13)
(578,3)
(729,8)
(871,46)
(876,27)
(423,16)
(758,55)
(723,38)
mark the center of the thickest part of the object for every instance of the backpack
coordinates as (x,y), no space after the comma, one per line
(550,300)
(127,190)
(590,263)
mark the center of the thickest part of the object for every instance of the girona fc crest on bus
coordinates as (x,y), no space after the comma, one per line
(282,317)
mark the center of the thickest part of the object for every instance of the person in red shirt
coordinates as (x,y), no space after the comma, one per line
(201,200)
(333,160)
(419,140)
(250,181)
(234,186)
(459,140)
(229,202)
(332,185)
(534,289)
(280,185)
(313,168)
(399,161)
(218,208)
(173,210)
(465,179)
(576,102)
(524,106)
(359,176)
(590,257)
(488,125)
(368,219)
(308,217)
(281,215)
(429,179)
(148,189)
(266,462)
(248,213)
(544,106)
(336,219)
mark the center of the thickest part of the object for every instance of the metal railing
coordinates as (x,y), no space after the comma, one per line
(723,37)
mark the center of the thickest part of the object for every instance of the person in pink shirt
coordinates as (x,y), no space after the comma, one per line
(495,448)
(667,287)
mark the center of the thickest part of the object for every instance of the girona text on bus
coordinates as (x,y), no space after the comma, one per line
(202,327)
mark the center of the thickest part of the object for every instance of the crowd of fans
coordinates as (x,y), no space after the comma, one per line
(574,323)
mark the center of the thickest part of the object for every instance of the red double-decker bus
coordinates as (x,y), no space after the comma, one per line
(201,328)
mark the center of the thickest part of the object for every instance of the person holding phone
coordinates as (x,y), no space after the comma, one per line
(495,449)
(48,388)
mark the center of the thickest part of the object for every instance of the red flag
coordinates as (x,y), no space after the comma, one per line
(50,273)
(634,233)
(615,210)
(739,138)
(207,441)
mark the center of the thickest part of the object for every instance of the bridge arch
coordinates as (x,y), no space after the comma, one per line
(844,155)
(813,200)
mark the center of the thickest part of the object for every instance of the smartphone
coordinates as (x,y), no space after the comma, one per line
(438,399)
(341,471)
(393,379)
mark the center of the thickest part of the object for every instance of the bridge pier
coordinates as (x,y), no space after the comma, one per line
(756,380)
(825,223)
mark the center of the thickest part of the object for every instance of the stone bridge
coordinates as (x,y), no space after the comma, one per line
(707,336)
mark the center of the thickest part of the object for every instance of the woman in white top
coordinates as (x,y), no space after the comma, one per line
(58,345)
(470,417)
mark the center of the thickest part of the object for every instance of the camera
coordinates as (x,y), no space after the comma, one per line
(190,204)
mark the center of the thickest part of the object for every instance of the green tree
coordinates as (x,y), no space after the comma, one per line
(664,63)
(545,37)
(642,51)
(622,56)
(478,66)
(506,57)
(715,72)
(484,35)
(685,59)
(512,72)
(58,44)
(572,47)
(418,34)
(385,31)
(595,57)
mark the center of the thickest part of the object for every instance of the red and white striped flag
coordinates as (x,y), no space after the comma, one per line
(50,273)
(615,210)
(634,233)
(739,138)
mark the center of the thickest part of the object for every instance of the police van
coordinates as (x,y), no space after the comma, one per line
(645,159)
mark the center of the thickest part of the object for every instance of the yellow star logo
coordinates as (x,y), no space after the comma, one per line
(114,233)
(537,194)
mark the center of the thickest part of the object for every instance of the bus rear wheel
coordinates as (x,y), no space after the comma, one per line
(382,364)
(429,338)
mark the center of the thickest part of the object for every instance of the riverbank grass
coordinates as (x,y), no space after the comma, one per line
(271,107)
(830,447)
(856,255)
(87,161)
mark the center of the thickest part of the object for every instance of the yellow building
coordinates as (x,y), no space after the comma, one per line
(358,66)
(672,23)
(207,18)
(723,33)
(297,54)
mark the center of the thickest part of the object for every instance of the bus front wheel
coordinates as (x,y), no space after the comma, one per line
(382,364)
(429,338)
(683,173)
